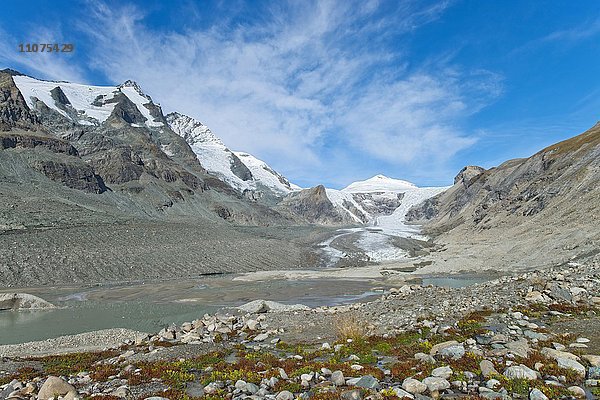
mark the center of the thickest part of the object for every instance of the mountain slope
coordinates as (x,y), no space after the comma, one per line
(245,173)
(545,208)
(121,138)
(378,200)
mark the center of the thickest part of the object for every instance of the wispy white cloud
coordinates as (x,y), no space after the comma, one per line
(306,88)
(585,30)
(568,37)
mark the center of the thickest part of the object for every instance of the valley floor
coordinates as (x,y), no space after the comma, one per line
(528,335)
(139,251)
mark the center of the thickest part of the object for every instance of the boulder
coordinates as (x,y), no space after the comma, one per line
(337,378)
(435,384)
(520,372)
(263,306)
(572,365)
(55,386)
(442,372)
(368,382)
(578,392)
(414,386)
(536,394)
(455,352)
(440,346)
(285,395)
(487,368)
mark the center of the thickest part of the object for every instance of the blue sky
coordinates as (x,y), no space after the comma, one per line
(336,91)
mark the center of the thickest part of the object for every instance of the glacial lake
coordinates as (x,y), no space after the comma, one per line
(151,306)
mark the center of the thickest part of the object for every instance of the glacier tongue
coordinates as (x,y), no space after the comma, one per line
(375,239)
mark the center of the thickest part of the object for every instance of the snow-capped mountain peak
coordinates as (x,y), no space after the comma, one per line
(379,183)
(85,104)
(242,171)
(191,130)
(264,173)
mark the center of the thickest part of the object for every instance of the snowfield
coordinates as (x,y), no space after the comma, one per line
(89,102)
(218,160)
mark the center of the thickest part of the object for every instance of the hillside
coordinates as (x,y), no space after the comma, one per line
(533,211)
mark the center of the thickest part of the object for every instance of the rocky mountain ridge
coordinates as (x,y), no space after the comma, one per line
(544,208)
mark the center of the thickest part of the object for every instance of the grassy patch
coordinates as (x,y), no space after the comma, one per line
(74,363)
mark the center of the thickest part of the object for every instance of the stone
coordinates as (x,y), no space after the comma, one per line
(121,392)
(487,368)
(282,374)
(519,347)
(536,394)
(435,384)
(483,339)
(556,354)
(55,386)
(402,394)
(284,395)
(571,364)
(425,358)
(455,352)
(354,394)
(520,372)
(535,297)
(578,346)
(535,335)
(491,395)
(499,339)
(368,382)
(251,388)
(261,337)
(337,378)
(252,324)
(263,306)
(440,346)
(578,392)
(414,386)
(493,383)
(594,373)
(593,360)
(194,389)
(240,385)
(558,346)
(442,372)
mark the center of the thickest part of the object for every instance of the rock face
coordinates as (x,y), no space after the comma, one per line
(314,206)
(244,172)
(111,139)
(562,173)
(526,200)
(22,301)
(13,108)
(468,175)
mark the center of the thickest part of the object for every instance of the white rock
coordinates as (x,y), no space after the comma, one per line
(414,386)
(536,394)
(571,364)
(520,372)
(435,384)
(442,372)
